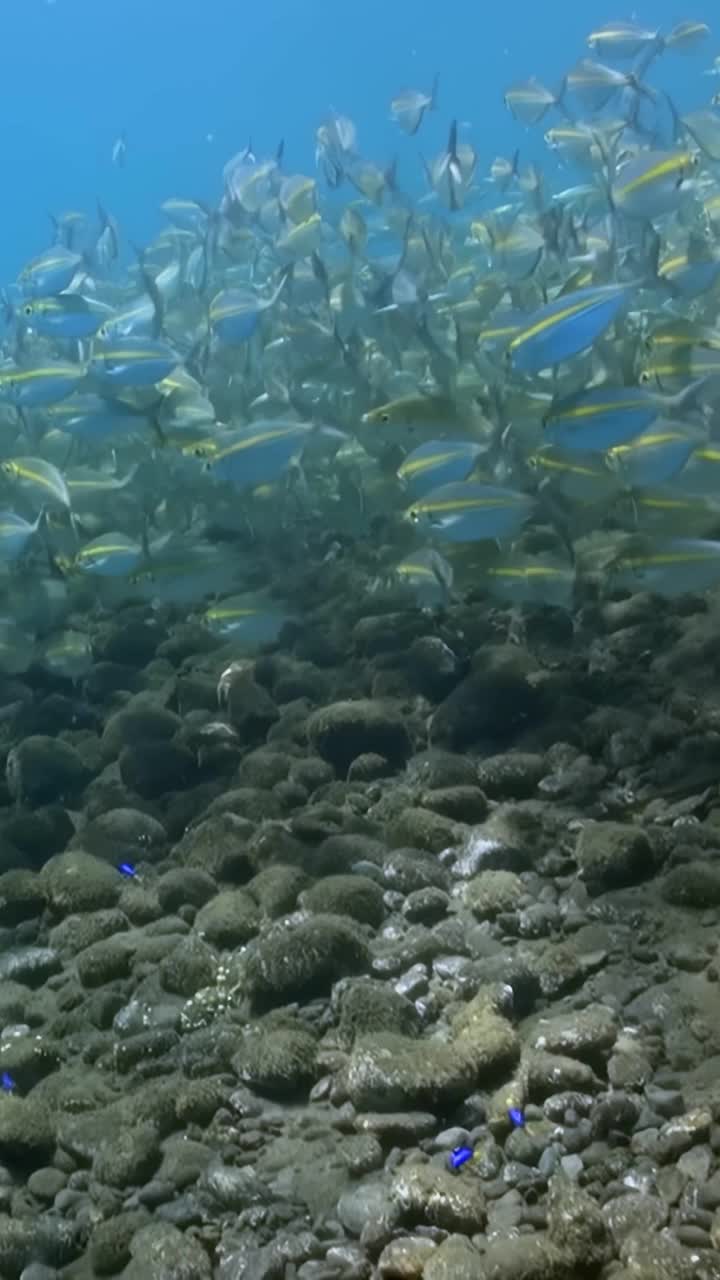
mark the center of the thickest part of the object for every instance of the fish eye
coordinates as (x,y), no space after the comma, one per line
(644,377)
(103,331)
(414,515)
(384,417)
(27,309)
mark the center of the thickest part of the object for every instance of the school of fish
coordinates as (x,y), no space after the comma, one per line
(495,387)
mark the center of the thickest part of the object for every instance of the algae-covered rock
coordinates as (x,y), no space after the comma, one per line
(250,708)
(487,706)
(103,962)
(612,854)
(431,1195)
(277,1061)
(109,1247)
(185,886)
(139,723)
(21,897)
(355,896)
(696,884)
(130,1157)
(424,829)
(276,889)
(344,730)
(151,772)
(455,1259)
(160,1249)
(514,775)
(190,966)
(493,892)
(27,1131)
(75,882)
(369,1006)
(390,1072)
(219,846)
(123,835)
(228,920)
(42,770)
(459,803)
(585,1033)
(302,961)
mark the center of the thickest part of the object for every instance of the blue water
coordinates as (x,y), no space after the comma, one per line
(191,80)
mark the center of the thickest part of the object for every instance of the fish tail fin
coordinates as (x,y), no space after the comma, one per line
(432,105)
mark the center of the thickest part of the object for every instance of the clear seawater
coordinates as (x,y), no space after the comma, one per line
(191,80)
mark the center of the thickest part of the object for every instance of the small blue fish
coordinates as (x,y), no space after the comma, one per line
(459,1156)
(565,327)
(516,1117)
(7,1083)
(128,870)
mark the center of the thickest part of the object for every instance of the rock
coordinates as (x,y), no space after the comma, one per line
(426,906)
(460,803)
(695,884)
(130,1158)
(423,829)
(104,962)
(389,1072)
(151,772)
(30,966)
(188,968)
(344,730)
(160,1250)
(405,1257)
(110,1241)
(21,898)
(612,854)
(436,769)
(301,961)
(278,1062)
(123,835)
(184,886)
(514,775)
(368,1006)
(433,1196)
(27,1131)
(354,896)
(493,893)
(229,920)
(250,708)
(486,707)
(455,1259)
(275,889)
(407,870)
(139,723)
(75,882)
(369,767)
(588,1033)
(43,770)
(219,846)
(39,833)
